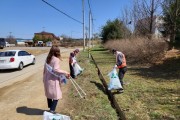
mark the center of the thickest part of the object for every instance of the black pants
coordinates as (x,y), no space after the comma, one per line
(71,70)
(52,104)
(122,71)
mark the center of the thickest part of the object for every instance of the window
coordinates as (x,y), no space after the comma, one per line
(23,53)
(7,54)
(20,53)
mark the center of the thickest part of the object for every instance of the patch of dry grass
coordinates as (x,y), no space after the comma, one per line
(38,52)
(139,50)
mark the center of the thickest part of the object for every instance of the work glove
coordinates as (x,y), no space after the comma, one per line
(115,66)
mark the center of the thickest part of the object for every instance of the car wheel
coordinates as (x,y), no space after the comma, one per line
(20,66)
(34,61)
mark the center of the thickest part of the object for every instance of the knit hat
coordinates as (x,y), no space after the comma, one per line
(76,50)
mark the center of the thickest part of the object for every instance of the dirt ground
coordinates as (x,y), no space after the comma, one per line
(25,100)
(172,53)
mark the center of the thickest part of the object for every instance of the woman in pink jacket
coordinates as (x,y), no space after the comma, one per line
(52,82)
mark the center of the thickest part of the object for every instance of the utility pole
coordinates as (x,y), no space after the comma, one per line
(89,43)
(10,34)
(83,24)
(92,32)
(86,33)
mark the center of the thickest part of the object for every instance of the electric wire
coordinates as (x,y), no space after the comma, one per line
(62,12)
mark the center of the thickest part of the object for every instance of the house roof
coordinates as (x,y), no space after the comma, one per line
(43,32)
(46,33)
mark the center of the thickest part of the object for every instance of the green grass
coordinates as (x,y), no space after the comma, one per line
(96,105)
(151,93)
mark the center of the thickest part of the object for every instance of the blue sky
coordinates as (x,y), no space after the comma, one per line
(23,18)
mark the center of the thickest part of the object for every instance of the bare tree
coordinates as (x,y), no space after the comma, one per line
(10,39)
(126,18)
(144,14)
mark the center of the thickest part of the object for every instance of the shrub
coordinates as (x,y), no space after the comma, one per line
(139,50)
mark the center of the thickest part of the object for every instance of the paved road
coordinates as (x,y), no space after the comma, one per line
(22,92)
(8,77)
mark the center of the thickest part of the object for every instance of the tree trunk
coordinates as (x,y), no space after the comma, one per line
(152,16)
(174,28)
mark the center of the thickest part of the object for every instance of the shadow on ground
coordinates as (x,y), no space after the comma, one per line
(99,86)
(12,70)
(29,111)
(168,70)
(100,49)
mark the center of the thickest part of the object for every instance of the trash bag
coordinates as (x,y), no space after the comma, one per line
(77,69)
(114,80)
(63,78)
(50,116)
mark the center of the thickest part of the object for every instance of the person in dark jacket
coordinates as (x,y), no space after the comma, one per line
(72,61)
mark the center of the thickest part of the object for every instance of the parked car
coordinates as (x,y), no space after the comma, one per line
(11,59)
(7,44)
(40,43)
(2,43)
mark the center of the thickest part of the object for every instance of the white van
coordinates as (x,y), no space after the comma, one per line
(7,44)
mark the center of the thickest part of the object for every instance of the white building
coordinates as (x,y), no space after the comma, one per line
(158,27)
(143,26)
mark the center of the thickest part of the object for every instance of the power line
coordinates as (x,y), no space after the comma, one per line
(62,12)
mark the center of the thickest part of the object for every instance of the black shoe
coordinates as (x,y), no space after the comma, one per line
(120,90)
(51,111)
(74,77)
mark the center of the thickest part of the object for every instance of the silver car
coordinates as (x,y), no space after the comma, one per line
(11,59)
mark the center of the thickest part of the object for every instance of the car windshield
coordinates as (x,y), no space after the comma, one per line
(7,54)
